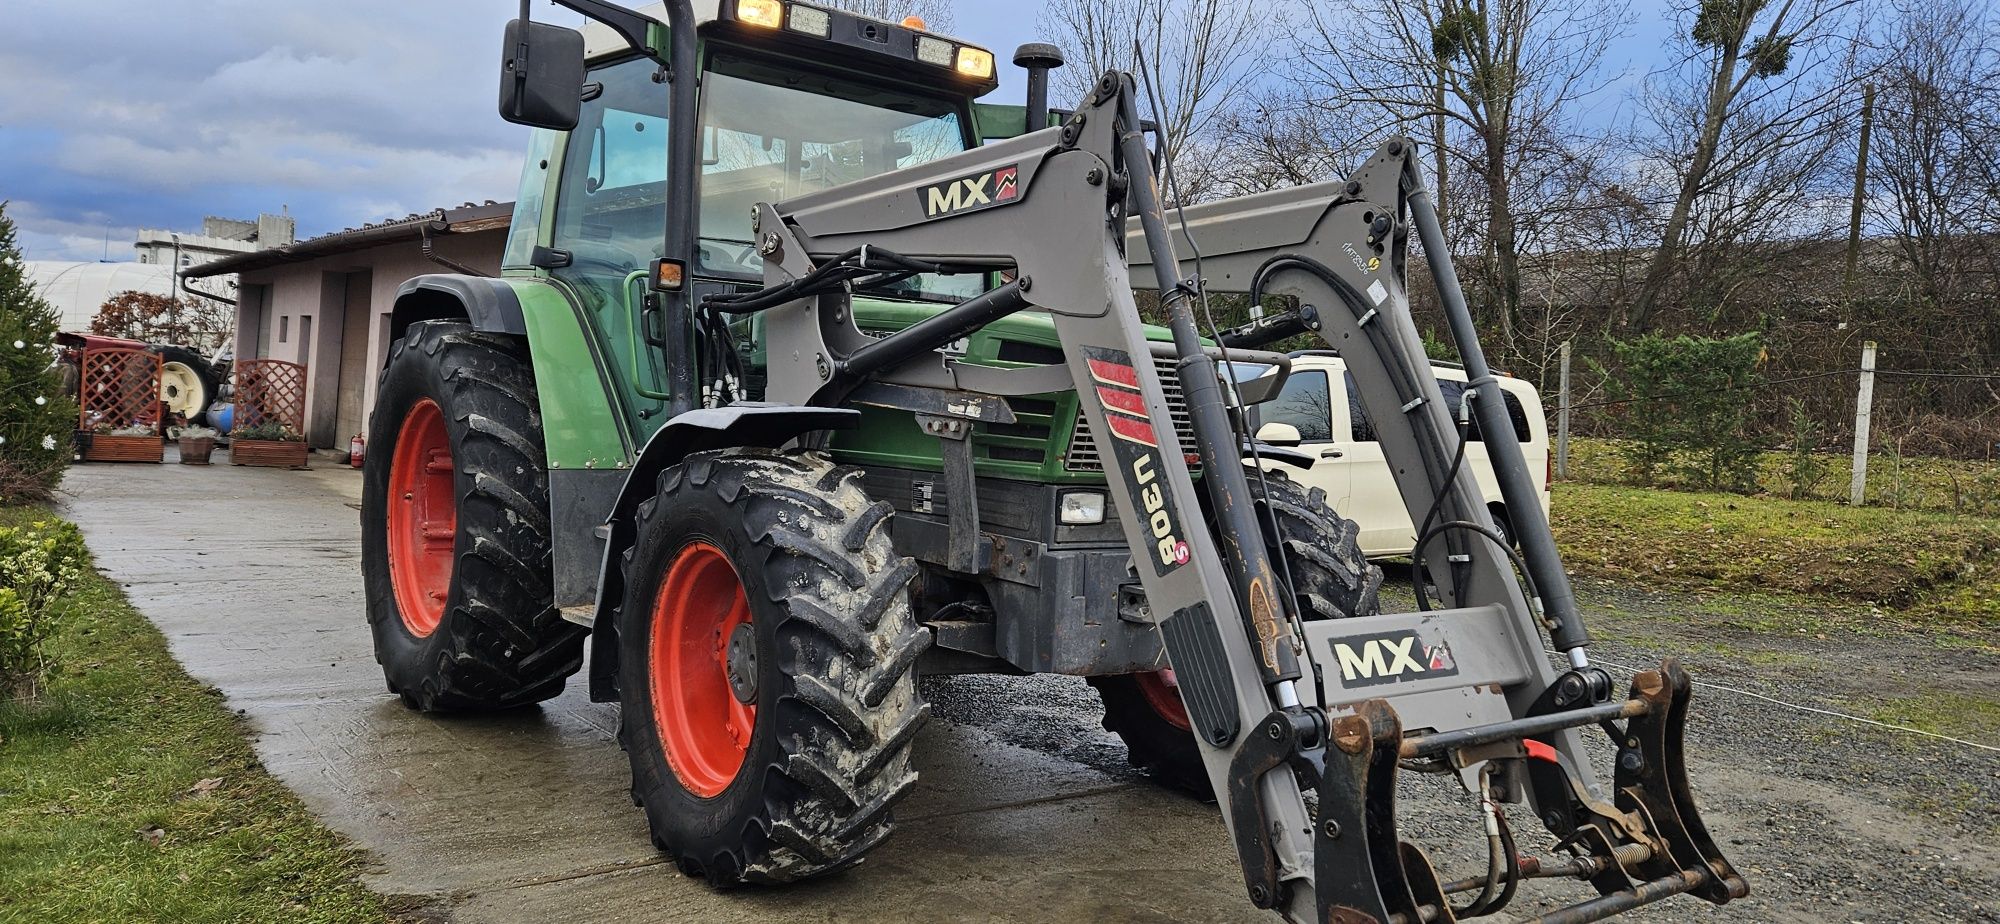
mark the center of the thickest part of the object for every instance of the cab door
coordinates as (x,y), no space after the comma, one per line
(1307,403)
(609,224)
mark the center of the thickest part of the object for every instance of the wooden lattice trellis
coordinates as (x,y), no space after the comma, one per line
(270,391)
(120,390)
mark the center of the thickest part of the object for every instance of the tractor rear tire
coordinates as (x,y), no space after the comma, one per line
(455,539)
(187,384)
(1333,581)
(766,654)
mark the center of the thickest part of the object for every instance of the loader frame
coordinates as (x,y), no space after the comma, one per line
(1062,218)
(1471,682)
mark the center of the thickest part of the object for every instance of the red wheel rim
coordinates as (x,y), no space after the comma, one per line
(703,728)
(1164,695)
(423,518)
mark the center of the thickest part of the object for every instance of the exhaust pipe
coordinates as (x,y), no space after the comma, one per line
(1038,59)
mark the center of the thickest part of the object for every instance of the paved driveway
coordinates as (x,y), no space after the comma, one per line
(254,576)
(1025,810)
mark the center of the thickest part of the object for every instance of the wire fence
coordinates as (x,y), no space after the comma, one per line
(1931,437)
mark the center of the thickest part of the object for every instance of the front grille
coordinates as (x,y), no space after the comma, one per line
(1083,455)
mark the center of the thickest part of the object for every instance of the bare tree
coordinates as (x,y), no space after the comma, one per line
(1278,137)
(1492,81)
(936,14)
(1204,53)
(1753,82)
(1932,155)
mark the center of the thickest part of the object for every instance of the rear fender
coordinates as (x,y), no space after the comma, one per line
(742,424)
(490,304)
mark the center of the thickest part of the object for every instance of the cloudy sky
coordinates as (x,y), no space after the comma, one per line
(153,114)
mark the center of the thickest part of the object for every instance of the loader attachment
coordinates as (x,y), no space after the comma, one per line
(1280,707)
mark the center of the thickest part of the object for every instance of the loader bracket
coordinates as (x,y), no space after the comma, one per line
(1358,863)
(1652,775)
(1282,738)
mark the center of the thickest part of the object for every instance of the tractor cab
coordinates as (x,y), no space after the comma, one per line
(792,99)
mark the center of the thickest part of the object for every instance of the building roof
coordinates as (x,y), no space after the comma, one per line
(461,220)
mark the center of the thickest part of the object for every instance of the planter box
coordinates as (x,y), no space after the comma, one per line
(268,453)
(103,447)
(196,451)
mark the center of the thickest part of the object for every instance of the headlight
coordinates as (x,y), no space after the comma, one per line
(1082,508)
(766,13)
(810,20)
(933,51)
(975,62)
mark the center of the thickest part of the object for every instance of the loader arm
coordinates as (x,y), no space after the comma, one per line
(1048,212)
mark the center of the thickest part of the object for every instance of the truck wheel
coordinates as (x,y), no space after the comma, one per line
(455,550)
(186,383)
(1334,580)
(766,646)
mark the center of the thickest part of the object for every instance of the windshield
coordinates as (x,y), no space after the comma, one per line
(770,134)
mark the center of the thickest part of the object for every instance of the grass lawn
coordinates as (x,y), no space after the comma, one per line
(1921,567)
(130,794)
(1903,483)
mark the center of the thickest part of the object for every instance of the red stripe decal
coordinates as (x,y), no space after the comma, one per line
(1114,373)
(1125,401)
(1132,430)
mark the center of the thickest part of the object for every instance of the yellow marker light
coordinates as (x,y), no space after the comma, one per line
(975,62)
(933,51)
(810,20)
(914,22)
(766,13)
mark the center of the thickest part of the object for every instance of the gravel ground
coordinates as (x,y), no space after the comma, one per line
(1829,819)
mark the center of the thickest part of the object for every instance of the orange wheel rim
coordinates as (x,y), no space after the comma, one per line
(423,518)
(1164,695)
(703,726)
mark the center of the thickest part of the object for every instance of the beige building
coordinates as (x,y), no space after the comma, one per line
(324,302)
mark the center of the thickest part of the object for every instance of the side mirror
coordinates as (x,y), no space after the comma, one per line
(541,75)
(1279,434)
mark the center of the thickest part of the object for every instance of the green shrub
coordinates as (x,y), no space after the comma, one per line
(1806,467)
(36,418)
(268,430)
(39,564)
(1687,408)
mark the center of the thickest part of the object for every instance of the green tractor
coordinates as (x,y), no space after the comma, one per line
(808,374)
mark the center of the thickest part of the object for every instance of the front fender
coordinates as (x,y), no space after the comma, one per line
(746,423)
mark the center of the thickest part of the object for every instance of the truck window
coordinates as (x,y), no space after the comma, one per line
(1454,391)
(1304,403)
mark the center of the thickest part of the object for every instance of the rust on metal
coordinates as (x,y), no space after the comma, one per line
(1350,733)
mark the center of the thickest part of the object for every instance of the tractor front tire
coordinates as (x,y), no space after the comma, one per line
(766,654)
(455,538)
(1332,580)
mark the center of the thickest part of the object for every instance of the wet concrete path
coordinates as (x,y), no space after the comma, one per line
(254,576)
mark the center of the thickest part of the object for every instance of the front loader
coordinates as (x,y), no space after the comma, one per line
(877,403)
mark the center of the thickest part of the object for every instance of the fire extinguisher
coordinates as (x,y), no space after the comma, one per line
(355,450)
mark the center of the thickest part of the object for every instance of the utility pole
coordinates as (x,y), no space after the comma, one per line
(1443,169)
(1562,418)
(1858,488)
(1860,190)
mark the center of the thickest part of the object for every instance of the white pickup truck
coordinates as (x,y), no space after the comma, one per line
(1319,413)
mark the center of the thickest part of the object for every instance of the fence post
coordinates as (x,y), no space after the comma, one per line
(1562,418)
(1858,488)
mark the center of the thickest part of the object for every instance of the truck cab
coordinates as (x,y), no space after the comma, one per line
(1319,412)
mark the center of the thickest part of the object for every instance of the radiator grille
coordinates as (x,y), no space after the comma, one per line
(1083,455)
